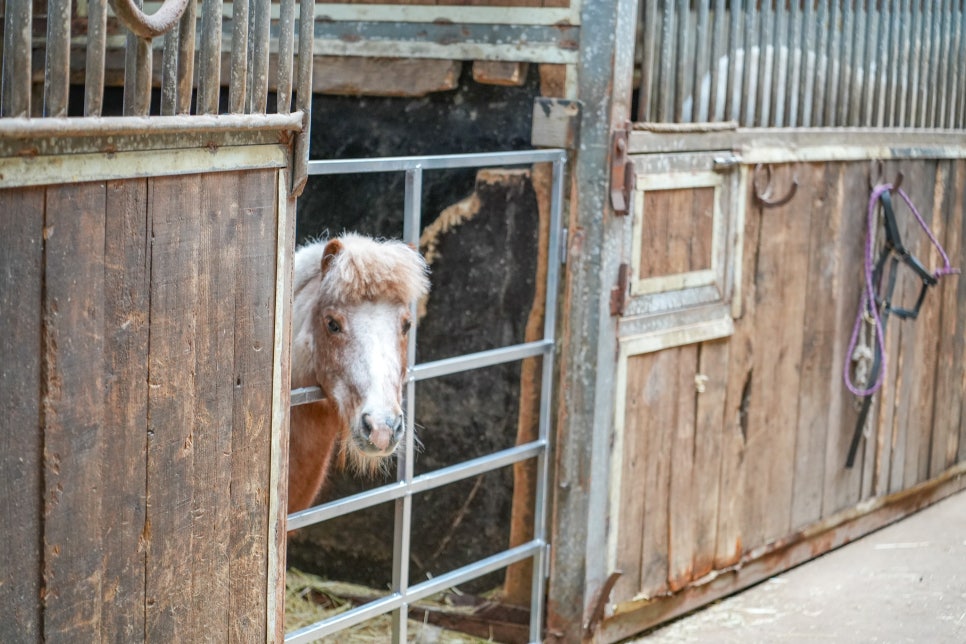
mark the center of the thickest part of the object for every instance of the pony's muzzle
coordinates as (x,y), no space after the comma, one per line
(380,436)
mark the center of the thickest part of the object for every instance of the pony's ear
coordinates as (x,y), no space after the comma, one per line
(333,248)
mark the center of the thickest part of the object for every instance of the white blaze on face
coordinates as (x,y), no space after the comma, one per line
(374,367)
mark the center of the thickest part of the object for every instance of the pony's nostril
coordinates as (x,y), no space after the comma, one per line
(398,426)
(366,425)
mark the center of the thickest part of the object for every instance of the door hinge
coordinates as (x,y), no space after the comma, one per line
(621,174)
(618,294)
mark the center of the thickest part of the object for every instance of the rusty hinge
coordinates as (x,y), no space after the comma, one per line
(621,174)
(618,294)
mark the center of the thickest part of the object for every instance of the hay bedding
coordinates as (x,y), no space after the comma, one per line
(309,599)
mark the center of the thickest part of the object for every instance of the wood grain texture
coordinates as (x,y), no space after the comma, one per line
(126,311)
(73,411)
(252,405)
(171,405)
(682,494)
(21,435)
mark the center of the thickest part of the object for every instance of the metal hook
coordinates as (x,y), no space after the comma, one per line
(876,176)
(764,195)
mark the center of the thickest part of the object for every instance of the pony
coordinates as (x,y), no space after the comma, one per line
(350,326)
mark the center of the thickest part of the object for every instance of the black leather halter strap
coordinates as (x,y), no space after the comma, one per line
(895,254)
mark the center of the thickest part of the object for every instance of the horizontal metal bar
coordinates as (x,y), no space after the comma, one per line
(421,483)
(437,162)
(480,360)
(120,125)
(415,593)
(447,366)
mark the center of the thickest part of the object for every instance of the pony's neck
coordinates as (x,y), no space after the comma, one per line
(316,429)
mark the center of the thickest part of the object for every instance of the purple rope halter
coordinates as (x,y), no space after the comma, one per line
(868,304)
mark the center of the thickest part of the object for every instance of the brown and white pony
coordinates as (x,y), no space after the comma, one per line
(351,320)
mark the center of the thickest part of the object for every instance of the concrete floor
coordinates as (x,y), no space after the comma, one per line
(904,583)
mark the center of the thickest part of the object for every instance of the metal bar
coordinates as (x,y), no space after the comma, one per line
(303,99)
(823,32)
(703,67)
(479,360)
(436,162)
(836,37)
(929,68)
(420,591)
(719,64)
(950,71)
(796,28)
(881,75)
(186,58)
(137,76)
(15,93)
(915,54)
(683,62)
(735,67)
(750,67)
(845,68)
(810,55)
(421,483)
(647,92)
(938,67)
(286,53)
(893,89)
(169,71)
(767,66)
(238,76)
(959,99)
(862,67)
(665,107)
(905,52)
(94,68)
(57,64)
(209,59)
(261,45)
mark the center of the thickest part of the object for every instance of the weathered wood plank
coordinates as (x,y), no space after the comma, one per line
(661,396)
(702,228)
(819,372)
(21,436)
(252,404)
(708,437)
(126,289)
(773,408)
(637,416)
(73,412)
(677,252)
(848,194)
(214,386)
(174,221)
(682,495)
(658,206)
(741,381)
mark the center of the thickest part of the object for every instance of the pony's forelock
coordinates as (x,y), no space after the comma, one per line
(363,269)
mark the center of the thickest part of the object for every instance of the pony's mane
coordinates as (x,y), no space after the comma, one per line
(363,269)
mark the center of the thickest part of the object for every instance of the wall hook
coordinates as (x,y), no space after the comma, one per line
(763,194)
(877,176)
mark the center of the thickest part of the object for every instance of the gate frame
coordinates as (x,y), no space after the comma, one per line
(407,485)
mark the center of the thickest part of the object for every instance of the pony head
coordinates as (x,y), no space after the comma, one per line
(360,325)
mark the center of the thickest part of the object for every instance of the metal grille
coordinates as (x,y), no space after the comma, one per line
(803,63)
(408,485)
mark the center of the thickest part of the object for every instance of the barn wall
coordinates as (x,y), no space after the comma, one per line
(736,448)
(137,370)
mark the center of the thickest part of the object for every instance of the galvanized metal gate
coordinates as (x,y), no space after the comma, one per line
(408,485)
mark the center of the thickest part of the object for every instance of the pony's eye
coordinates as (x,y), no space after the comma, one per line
(333,324)
(406,325)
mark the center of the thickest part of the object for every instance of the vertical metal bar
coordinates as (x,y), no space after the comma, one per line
(834,63)
(546,398)
(719,64)
(169,71)
(782,56)
(186,58)
(94,68)
(820,83)
(942,50)
(209,59)
(915,52)
(894,64)
(403,522)
(845,68)
(703,67)
(286,53)
(905,53)
(796,59)
(646,93)
(137,74)
(303,98)
(238,76)
(57,66)
(862,67)
(735,66)
(958,97)
(259,46)
(668,65)
(810,63)
(15,92)
(880,78)
(752,55)
(766,41)
(936,77)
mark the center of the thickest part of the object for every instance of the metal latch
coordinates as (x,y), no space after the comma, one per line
(618,294)
(621,174)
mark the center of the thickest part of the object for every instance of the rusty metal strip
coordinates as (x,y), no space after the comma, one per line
(57,65)
(15,97)
(209,60)
(286,53)
(169,71)
(94,74)
(238,76)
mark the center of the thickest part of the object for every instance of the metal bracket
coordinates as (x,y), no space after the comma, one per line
(621,174)
(618,294)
